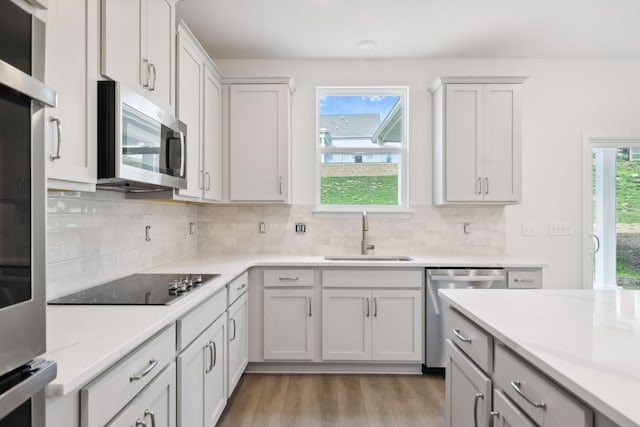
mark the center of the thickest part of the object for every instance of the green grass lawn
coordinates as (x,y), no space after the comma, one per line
(359,190)
(628,192)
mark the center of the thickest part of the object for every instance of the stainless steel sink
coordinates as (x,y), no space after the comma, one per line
(368,258)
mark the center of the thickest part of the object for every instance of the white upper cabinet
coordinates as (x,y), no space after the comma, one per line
(138,47)
(259,169)
(477,140)
(199,106)
(72,69)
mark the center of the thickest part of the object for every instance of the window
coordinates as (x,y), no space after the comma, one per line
(361,148)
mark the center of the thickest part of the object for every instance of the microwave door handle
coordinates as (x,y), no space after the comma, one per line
(182,154)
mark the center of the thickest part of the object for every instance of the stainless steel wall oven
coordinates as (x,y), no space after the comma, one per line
(22,217)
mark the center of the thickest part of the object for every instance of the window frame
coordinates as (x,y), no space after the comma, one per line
(403,151)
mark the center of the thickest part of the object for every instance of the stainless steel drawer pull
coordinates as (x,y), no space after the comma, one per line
(476,399)
(310,305)
(283,278)
(524,280)
(148,413)
(152,364)
(462,338)
(211,357)
(241,287)
(59,136)
(517,386)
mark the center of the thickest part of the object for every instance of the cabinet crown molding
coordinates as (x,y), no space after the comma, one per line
(442,80)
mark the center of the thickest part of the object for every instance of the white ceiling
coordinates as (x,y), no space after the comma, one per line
(416,28)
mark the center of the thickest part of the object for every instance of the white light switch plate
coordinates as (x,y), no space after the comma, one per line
(528,229)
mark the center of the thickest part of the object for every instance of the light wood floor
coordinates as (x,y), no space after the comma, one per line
(336,400)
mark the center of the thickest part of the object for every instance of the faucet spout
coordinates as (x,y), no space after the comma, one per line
(365,246)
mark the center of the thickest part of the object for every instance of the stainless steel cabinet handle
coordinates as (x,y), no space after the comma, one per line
(486,186)
(476,399)
(140,423)
(148,413)
(493,414)
(479,186)
(462,338)
(208,175)
(310,304)
(152,364)
(234,330)
(368,307)
(280,185)
(209,347)
(241,287)
(288,278)
(59,136)
(375,306)
(466,278)
(215,353)
(147,82)
(152,87)
(523,280)
(202,174)
(517,386)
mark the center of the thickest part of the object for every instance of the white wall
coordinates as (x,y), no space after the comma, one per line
(563,99)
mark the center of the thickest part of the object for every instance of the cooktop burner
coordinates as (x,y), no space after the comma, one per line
(138,289)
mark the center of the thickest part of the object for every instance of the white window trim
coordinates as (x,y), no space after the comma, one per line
(403,175)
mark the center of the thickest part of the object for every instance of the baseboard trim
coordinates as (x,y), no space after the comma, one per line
(334,368)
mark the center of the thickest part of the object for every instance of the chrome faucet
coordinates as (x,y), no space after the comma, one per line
(365,227)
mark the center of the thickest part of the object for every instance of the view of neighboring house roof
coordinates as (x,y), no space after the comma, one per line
(350,125)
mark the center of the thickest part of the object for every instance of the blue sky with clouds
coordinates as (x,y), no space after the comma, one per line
(357,105)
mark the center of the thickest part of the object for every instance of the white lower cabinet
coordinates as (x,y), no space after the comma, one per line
(507,414)
(202,373)
(468,391)
(288,324)
(364,324)
(238,340)
(155,406)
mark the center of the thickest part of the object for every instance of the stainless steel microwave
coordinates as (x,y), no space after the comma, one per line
(140,146)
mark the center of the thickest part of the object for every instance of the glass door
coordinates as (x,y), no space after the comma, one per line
(616,217)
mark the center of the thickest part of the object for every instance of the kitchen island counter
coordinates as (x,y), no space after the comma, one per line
(587,341)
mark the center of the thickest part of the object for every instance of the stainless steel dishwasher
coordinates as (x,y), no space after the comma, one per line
(451,278)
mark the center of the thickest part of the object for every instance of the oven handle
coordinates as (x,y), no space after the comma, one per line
(466,278)
(41,371)
(22,82)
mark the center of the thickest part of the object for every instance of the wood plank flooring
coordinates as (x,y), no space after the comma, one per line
(283,400)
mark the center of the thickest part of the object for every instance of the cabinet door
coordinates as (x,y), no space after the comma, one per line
(463,135)
(501,143)
(468,391)
(397,325)
(212,137)
(155,405)
(190,80)
(259,139)
(160,51)
(67,72)
(506,413)
(346,324)
(122,39)
(215,390)
(288,324)
(238,341)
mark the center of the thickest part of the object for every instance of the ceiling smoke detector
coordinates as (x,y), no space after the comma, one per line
(367,45)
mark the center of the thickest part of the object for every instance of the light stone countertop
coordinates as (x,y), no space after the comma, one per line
(86,340)
(587,341)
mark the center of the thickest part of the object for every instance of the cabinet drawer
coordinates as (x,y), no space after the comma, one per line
(379,278)
(542,400)
(475,342)
(289,277)
(191,325)
(238,286)
(524,279)
(103,398)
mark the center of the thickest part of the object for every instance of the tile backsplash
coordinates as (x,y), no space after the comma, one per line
(96,237)
(427,230)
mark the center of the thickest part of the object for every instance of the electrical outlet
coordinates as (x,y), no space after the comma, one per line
(301,227)
(262,228)
(560,229)
(528,229)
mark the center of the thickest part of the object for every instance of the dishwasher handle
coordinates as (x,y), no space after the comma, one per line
(466,278)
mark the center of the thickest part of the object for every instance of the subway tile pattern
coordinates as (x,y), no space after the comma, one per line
(96,237)
(427,231)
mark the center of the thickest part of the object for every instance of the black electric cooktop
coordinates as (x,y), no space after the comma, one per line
(138,289)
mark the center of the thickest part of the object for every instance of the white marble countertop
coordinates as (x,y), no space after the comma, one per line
(86,340)
(587,341)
